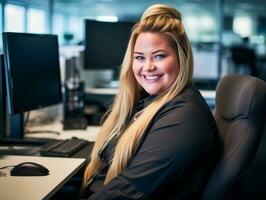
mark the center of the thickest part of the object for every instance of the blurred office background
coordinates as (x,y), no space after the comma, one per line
(213,26)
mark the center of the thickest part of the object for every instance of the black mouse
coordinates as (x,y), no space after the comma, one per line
(29,169)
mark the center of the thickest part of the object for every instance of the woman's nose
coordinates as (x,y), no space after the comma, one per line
(148,65)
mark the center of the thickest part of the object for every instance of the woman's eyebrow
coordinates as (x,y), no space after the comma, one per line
(136,52)
(154,52)
(158,51)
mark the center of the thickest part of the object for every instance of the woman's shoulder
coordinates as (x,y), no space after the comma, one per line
(189,102)
(189,96)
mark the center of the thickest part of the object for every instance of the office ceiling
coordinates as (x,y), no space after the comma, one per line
(132,9)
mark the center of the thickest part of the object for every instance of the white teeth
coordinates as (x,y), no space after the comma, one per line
(151,77)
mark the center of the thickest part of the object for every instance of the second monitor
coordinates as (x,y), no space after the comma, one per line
(105,44)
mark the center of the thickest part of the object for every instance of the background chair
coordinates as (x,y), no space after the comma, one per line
(240,116)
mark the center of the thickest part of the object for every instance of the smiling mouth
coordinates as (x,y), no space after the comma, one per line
(152,78)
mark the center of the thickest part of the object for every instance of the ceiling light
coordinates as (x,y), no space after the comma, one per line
(110,18)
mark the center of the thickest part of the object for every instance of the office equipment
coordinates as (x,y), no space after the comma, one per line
(74,117)
(32,73)
(74,122)
(11,149)
(205,74)
(29,146)
(89,134)
(41,187)
(29,169)
(240,117)
(64,148)
(2,98)
(105,44)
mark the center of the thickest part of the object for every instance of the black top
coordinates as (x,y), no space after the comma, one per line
(173,159)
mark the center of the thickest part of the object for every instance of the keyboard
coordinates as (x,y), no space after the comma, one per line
(63,148)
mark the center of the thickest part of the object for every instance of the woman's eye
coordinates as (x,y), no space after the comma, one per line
(160,56)
(139,58)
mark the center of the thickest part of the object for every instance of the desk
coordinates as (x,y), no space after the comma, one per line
(101,95)
(37,187)
(114,91)
(90,133)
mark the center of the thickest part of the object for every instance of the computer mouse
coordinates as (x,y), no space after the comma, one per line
(29,169)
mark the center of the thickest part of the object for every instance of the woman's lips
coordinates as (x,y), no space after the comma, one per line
(152,78)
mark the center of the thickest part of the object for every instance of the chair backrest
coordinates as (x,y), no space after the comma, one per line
(240,116)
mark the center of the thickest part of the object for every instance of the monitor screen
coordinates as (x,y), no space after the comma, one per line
(205,65)
(32,71)
(105,43)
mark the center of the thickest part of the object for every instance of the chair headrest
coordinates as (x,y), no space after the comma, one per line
(234,95)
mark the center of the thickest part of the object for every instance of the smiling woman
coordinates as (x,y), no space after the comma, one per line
(159,139)
(155,63)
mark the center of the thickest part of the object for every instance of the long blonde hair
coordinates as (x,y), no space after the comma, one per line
(158,18)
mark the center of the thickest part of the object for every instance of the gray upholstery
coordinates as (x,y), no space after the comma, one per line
(240,116)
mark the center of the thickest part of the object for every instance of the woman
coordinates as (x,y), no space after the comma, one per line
(159,138)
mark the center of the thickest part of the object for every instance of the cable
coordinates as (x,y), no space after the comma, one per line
(3,174)
(7,166)
(26,119)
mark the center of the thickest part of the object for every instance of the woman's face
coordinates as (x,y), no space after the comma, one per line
(155,63)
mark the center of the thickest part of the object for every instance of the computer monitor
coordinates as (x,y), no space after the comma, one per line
(205,74)
(2,97)
(32,71)
(105,44)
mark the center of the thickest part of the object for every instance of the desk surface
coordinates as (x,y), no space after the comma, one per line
(114,91)
(37,187)
(90,133)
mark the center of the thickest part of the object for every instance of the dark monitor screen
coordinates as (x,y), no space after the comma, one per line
(105,43)
(32,71)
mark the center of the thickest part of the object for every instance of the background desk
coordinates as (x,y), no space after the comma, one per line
(90,133)
(37,187)
(104,96)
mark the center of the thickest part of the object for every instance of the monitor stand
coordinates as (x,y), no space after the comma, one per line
(15,126)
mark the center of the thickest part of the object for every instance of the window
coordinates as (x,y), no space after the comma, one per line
(35,20)
(58,27)
(76,28)
(15,18)
(242,25)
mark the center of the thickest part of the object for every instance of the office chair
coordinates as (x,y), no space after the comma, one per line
(240,116)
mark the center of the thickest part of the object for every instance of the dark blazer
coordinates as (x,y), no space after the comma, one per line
(173,159)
